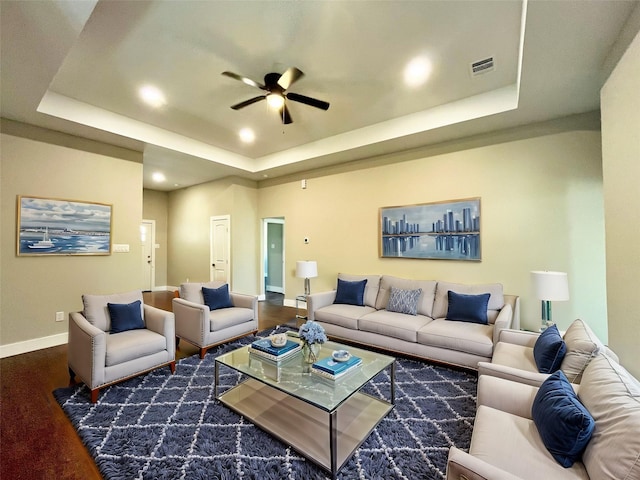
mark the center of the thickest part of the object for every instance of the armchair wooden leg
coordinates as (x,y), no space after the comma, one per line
(177,341)
(172,366)
(72,377)
(203,352)
(94,395)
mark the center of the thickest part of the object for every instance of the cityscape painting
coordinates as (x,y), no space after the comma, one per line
(48,226)
(447,230)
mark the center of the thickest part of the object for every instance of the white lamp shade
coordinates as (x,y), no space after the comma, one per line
(306,269)
(552,286)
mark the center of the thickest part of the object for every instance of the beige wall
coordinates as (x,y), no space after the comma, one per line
(34,288)
(190,210)
(620,99)
(541,209)
(155,206)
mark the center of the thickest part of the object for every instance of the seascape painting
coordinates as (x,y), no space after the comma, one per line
(447,230)
(48,226)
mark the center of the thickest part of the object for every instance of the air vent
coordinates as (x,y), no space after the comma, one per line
(482,66)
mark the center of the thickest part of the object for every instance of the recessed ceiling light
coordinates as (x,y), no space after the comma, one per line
(152,95)
(417,71)
(247,135)
(158,177)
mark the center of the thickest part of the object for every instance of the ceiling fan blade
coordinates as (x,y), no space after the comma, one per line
(240,105)
(284,115)
(289,77)
(314,102)
(244,80)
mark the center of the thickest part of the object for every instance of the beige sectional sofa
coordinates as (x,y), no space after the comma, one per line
(428,334)
(506,444)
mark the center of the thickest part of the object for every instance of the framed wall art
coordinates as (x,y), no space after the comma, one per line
(448,230)
(51,226)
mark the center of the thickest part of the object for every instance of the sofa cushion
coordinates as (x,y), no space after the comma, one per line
(549,350)
(467,308)
(404,301)
(612,396)
(441,302)
(564,424)
(192,292)
(582,346)
(513,444)
(217,298)
(125,316)
(343,315)
(473,338)
(393,324)
(228,317)
(96,311)
(370,290)
(133,344)
(425,301)
(350,293)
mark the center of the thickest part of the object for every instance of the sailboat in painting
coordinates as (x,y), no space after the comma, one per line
(45,242)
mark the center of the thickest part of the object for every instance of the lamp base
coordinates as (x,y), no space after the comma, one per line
(546,315)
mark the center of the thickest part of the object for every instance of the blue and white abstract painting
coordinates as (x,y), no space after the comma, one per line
(443,230)
(63,227)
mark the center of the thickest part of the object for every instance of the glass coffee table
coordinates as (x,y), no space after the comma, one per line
(324,420)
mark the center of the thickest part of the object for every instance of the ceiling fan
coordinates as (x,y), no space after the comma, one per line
(276,86)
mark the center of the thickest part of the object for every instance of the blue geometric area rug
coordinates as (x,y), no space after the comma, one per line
(163,426)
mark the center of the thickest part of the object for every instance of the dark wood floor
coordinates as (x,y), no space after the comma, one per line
(37,440)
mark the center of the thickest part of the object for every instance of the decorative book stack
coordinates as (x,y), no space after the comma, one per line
(264,349)
(329,368)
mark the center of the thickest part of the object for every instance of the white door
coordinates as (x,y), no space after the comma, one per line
(220,249)
(147,241)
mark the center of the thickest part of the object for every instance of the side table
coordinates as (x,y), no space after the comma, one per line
(301,299)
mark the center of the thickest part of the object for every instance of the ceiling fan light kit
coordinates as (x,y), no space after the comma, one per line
(276,86)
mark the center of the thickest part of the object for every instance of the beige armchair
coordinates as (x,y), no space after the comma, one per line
(513,355)
(206,328)
(101,358)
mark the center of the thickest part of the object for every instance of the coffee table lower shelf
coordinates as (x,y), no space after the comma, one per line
(306,427)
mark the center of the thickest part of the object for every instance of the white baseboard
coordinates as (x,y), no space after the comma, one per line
(166,288)
(17,348)
(262,297)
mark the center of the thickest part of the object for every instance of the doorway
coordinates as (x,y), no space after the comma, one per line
(148,259)
(273,259)
(220,249)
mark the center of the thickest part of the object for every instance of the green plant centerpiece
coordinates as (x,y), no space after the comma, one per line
(313,336)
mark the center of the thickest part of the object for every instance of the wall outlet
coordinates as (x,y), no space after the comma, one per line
(59,316)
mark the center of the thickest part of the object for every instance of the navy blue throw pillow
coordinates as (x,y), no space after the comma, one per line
(351,293)
(564,424)
(549,350)
(216,298)
(468,308)
(125,316)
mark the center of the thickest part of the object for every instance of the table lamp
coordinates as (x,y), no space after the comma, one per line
(306,269)
(549,287)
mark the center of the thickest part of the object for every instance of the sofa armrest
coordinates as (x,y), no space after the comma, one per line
(519,337)
(462,466)
(87,350)
(507,396)
(503,320)
(514,374)
(245,301)
(191,319)
(316,301)
(162,322)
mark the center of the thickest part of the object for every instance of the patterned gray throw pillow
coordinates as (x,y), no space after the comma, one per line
(404,301)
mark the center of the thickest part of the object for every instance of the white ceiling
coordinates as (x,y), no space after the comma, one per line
(76,67)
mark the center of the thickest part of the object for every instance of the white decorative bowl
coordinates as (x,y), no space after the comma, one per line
(341,355)
(278,340)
